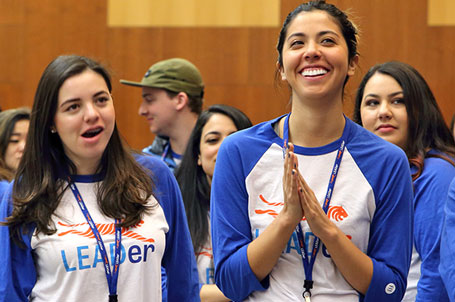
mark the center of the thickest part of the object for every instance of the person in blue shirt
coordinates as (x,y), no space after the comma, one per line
(395,102)
(299,204)
(85,220)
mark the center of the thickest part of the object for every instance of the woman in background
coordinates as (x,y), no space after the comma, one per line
(195,178)
(87,222)
(14,125)
(394,102)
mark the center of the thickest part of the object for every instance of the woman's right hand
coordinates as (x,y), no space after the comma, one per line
(264,251)
(292,211)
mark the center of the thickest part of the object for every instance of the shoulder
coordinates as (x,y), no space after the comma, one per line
(381,163)
(160,173)
(436,169)
(152,163)
(240,151)
(259,135)
(365,144)
(157,146)
(434,164)
(3,186)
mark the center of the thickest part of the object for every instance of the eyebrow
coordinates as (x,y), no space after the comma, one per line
(78,99)
(212,132)
(389,95)
(322,33)
(218,133)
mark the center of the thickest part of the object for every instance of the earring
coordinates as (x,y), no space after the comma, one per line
(53,130)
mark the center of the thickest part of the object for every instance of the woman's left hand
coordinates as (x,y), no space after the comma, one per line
(318,221)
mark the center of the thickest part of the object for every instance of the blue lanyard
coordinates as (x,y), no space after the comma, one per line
(112,277)
(309,263)
(165,151)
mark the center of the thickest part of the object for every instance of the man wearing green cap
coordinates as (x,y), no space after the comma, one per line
(172,95)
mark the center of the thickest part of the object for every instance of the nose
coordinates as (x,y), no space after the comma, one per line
(91,113)
(142,109)
(312,50)
(21,145)
(384,111)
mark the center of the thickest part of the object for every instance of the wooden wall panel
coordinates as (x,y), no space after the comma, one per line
(440,12)
(237,64)
(231,61)
(187,13)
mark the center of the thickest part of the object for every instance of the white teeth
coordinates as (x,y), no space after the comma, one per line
(313,72)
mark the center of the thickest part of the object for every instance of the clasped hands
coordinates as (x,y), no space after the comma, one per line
(299,199)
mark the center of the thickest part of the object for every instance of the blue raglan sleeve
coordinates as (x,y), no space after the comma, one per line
(447,264)
(390,242)
(17,269)
(178,260)
(230,226)
(430,194)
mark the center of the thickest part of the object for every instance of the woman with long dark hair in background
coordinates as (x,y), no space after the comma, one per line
(395,102)
(195,178)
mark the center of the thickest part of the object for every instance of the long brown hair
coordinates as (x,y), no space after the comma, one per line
(39,184)
(427,128)
(192,178)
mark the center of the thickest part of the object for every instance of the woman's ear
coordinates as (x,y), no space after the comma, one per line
(353,65)
(281,71)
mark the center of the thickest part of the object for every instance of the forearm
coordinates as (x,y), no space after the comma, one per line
(211,293)
(264,251)
(355,266)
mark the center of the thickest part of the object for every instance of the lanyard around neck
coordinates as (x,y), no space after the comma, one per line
(111,276)
(309,263)
(165,151)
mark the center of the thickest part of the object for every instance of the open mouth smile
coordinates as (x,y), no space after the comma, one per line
(92,132)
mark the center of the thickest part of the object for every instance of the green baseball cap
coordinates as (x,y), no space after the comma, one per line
(176,74)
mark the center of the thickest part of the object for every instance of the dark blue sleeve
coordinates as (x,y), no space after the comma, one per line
(391,229)
(230,226)
(17,269)
(430,194)
(178,260)
(447,263)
